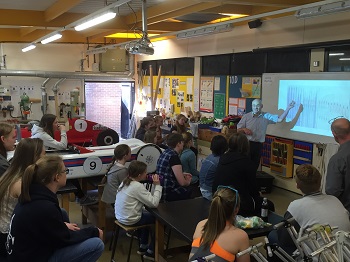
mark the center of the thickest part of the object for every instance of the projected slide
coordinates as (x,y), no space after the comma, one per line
(322,101)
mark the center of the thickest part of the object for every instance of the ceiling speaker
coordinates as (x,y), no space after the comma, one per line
(254,24)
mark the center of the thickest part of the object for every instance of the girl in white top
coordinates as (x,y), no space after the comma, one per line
(28,151)
(129,202)
(47,127)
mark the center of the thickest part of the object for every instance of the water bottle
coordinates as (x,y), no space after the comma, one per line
(264,210)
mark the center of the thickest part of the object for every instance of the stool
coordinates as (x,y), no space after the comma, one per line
(65,191)
(128,229)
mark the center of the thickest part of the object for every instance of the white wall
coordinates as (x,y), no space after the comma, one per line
(51,57)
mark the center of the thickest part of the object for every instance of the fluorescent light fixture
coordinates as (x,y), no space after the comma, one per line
(205,31)
(95,21)
(336,54)
(51,38)
(344,59)
(325,9)
(28,48)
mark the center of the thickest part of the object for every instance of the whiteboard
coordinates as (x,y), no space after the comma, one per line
(319,96)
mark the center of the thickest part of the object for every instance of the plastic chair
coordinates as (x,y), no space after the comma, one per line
(128,229)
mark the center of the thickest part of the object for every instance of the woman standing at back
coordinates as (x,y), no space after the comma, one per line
(28,151)
(38,231)
(7,143)
(217,234)
(236,169)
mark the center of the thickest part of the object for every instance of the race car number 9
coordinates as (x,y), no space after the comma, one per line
(80,125)
(92,165)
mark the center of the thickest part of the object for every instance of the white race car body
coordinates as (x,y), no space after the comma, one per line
(93,161)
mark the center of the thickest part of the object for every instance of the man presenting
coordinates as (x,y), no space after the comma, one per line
(338,171)
(254,125)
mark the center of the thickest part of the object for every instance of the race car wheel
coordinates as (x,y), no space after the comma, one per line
(107,137)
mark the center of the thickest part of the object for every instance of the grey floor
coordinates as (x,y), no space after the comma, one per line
(280,197)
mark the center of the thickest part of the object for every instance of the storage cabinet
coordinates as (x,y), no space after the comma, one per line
(281,162)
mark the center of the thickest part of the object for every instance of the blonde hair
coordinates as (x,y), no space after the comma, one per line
(222,209)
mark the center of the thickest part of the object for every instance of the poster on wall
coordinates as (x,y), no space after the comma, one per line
(219,105)
(232,106)
(206,94)
(241,106)
(251,87)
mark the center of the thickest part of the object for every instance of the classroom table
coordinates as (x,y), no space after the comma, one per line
(183,216)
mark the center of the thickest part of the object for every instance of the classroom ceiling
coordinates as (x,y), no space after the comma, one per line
(27,21)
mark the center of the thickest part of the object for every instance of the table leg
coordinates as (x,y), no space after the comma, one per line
(159,245)
(65,202)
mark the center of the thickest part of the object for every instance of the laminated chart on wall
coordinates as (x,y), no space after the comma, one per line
(219,105)
(206,94)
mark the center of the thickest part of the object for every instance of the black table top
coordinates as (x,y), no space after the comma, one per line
(184,215)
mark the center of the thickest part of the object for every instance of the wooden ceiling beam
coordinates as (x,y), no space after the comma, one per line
(160,9)
(181,12)
(280,3)
(58,8)
(35,18)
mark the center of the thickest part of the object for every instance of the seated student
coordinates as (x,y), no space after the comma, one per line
(158,121)
(146,124)
(150,137)
(218,147)
(175,181)
(313,208)
(28,151)
(116,173)
(180,127)
(37,230)
(180,124)
(7,143)
(188,158)
(217,234)
(47,127)
(236,169)
(129,202)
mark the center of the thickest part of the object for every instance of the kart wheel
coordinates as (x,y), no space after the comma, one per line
(107,137)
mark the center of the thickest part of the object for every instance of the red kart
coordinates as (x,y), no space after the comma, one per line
(84,132)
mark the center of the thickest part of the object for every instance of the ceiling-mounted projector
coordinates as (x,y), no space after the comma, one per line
(140,49)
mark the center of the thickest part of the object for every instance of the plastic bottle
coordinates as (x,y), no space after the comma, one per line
(264,210)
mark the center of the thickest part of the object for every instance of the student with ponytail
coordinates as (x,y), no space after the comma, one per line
(116,173)
(217,234)
(37,229)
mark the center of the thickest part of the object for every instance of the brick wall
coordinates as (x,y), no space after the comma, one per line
(103,104)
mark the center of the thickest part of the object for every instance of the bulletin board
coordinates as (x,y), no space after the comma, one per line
(173,90)
(242,91)
(213,95)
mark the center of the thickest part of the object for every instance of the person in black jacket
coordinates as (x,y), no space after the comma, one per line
(236,169)
(37,230)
